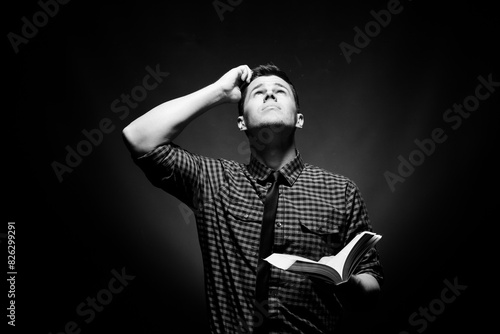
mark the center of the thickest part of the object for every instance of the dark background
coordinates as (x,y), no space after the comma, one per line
(359,117)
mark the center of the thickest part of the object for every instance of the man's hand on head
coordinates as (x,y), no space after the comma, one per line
(230,83)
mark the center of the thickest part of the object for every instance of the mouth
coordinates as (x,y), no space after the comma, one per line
(271,107)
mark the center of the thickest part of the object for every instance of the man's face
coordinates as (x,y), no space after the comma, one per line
(269,101)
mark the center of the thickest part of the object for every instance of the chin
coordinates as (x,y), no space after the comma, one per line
(263,129)
(270,123)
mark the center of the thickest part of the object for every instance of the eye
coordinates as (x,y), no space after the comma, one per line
(259,92)
(281,91)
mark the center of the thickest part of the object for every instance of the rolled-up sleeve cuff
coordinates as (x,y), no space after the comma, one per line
(157,164)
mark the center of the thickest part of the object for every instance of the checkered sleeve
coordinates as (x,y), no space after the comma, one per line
(358,221)
(181,173)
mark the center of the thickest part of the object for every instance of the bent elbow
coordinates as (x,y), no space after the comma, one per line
(132,140)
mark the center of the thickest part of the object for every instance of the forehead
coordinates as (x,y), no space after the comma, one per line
(268,81)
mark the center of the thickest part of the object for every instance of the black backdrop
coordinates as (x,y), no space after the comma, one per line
(80,225)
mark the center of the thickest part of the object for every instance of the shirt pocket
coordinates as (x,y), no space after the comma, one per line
(239,207)
(320,234)
(241,229)
(243,211)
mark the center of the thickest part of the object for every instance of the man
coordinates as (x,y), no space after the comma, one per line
(317,212)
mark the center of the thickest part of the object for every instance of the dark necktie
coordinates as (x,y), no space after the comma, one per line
(265,249)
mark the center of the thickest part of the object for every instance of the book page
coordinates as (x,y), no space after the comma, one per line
(285,261)
(337,262)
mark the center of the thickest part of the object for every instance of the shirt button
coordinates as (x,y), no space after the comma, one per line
(279,224)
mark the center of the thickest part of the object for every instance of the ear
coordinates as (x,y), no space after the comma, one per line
(241,123)
(300,121)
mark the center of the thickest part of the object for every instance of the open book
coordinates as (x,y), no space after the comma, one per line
(333,269)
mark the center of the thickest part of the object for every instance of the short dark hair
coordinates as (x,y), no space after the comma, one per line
(262,71)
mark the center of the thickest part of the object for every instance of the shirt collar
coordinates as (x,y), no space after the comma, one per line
(290,171)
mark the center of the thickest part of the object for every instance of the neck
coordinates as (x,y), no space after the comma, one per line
(274,152)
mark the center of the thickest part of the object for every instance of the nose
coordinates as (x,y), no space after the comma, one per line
(269,94)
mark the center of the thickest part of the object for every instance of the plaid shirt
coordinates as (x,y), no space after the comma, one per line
(318,213)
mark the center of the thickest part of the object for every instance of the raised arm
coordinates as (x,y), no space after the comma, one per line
(163,123)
